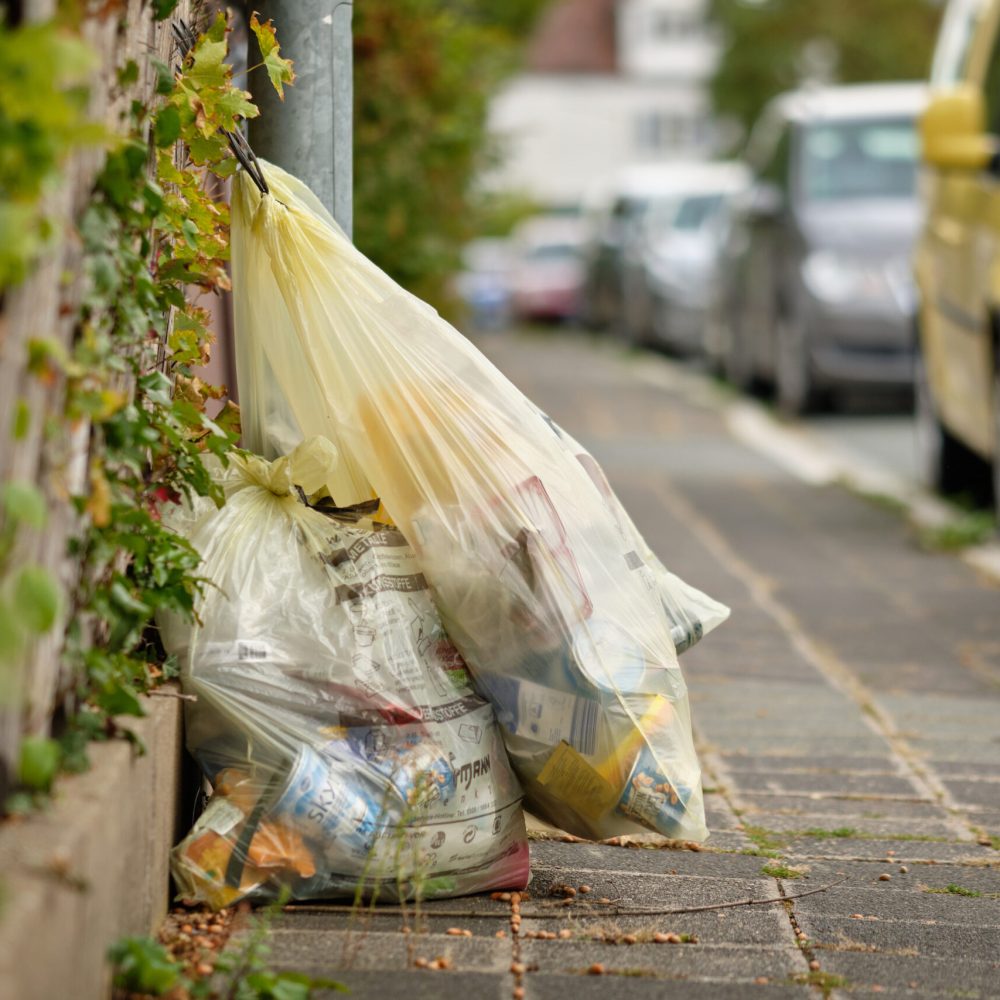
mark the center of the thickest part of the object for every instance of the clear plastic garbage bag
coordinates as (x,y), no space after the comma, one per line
(334,717)
(567,621)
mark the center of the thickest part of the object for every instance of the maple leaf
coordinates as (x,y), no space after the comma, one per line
(279,70)
(208,67)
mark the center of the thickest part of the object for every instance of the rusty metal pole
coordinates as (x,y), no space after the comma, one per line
(310,133)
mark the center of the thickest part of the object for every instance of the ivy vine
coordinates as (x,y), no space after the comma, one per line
(155,230)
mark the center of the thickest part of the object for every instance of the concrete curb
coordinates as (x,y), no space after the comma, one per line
(94,866)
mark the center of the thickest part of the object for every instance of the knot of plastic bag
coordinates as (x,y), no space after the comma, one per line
(309,467)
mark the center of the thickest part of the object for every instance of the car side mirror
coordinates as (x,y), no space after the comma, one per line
(767,202)
(953,131)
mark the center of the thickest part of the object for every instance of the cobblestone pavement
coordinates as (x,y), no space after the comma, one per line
(848,717)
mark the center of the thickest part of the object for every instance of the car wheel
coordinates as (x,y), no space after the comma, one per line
(945,464)
(795,387)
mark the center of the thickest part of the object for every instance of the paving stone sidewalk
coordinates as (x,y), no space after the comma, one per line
(848,717)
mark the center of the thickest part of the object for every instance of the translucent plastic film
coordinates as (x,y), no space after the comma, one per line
(567,621)
(334,718)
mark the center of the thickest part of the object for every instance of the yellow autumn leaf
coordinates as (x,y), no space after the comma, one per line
(279,70)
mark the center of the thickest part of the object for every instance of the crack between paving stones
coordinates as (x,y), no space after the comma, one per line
(836,673)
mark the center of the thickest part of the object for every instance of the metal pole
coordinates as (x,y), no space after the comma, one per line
(310,133)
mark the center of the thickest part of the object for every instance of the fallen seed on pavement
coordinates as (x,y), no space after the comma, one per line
(903,869)
(517,968)
(515,897)
(421,963)
(629,938)
(814,965)
(660,938)
(605,901)
(761,981)
(518,993)
(565,933)
(504,897)
(885,877)
(500,934)
(455,932)
(585,889)
(597,969)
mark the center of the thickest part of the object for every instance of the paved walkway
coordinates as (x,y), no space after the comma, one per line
(848,716)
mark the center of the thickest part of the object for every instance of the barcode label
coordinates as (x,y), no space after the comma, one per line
(583,732)
(549,716)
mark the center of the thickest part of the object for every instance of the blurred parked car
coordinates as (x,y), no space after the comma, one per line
(680,257)
(483,284)
(958,256)
(546,279)
(818,290)
(613,218)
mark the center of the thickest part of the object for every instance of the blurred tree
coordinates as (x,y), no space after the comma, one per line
(773,45)
(423,76)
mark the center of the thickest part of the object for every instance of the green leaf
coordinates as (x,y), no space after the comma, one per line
(164,77)
(128,74)
(142,965)
(36,599)
(280,71)
(207,149)
(126,601)
(24,504)
(208,68)
(11,641)
(162,9)
(156,387)
(22,420)
(167,126)
(118,697)
(39,763)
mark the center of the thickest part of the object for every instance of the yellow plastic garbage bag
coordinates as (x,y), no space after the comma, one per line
(567,621)
(333,717)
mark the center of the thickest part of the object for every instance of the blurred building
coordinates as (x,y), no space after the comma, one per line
(606,83)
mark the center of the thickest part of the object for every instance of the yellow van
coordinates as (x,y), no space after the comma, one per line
(958,256)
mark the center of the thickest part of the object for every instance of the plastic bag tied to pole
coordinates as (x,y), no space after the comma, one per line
(335,720)
(567,621)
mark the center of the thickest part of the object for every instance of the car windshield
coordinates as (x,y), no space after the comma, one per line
(872,158)
(697,211)
(552,251)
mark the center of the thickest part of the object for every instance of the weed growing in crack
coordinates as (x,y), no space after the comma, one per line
(781,871)
(955,890)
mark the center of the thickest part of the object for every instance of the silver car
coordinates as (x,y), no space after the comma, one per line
(681,256)
(816,291)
